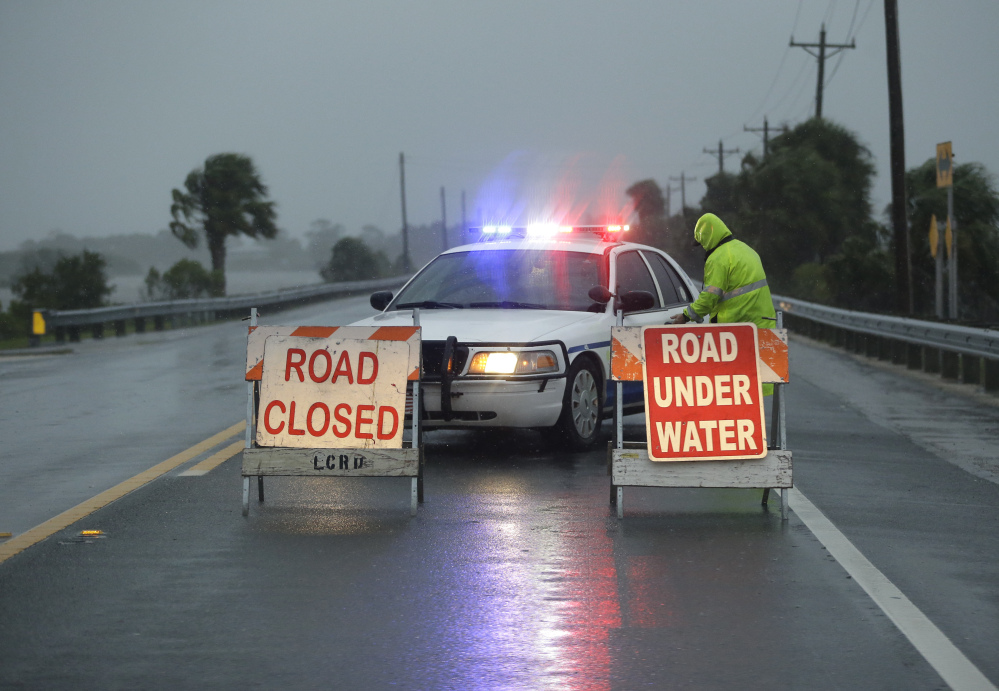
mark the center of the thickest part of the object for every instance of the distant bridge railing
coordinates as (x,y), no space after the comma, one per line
(968,354)
(69,323)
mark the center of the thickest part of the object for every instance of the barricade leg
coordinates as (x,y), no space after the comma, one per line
(620,502)
(414,497)
(766,496)
(260,488)
(246,496)
(419,479)
(783,504)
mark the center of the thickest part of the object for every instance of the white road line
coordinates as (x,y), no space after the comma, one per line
(949,662)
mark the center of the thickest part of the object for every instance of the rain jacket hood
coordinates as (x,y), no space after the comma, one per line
(709,231)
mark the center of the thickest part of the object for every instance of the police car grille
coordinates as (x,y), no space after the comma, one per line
(433,354)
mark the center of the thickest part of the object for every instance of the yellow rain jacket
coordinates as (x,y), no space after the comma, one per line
(735,285)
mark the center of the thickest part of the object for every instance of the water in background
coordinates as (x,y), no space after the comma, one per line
(130,288)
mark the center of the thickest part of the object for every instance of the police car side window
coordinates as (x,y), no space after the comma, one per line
(632,274)
(670,284)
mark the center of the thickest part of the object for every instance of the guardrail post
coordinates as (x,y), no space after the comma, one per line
(871,345)
(74,334)
(98,331)
(990,375)
(158,322)
(60,334)
(914,356)
(898,352)
(931,360)
(859,343)
(971,370)
(950,364)
(119,327)
(140,325)
(884,348)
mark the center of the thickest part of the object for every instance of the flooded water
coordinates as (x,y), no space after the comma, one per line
(130,288)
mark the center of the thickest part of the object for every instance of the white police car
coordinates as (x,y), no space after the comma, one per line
(516,327)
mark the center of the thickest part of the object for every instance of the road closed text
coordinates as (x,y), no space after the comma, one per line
(318,392)
(703,394)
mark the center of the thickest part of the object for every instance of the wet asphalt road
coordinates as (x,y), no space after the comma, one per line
(516,572)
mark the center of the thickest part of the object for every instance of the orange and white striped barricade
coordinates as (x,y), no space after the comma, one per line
(331,401)
(705,424)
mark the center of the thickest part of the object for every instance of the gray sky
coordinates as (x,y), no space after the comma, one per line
(533,108)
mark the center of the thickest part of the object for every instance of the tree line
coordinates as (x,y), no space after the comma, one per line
(806,209)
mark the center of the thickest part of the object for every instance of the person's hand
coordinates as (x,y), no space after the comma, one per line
(680,318)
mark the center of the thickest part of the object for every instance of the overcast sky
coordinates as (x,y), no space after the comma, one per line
(532,108)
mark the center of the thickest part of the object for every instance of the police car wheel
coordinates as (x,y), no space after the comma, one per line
(579,423)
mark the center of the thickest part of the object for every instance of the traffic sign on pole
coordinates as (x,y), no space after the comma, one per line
(934,236)
(945,165)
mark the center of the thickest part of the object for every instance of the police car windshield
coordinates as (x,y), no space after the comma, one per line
(505,279)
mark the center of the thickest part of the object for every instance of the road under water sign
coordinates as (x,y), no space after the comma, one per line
(703,393)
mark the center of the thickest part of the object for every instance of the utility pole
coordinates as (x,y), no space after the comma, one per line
(722,153)
(766,136)
(896,131)
(443,221)
(406,266)
(822,56)
(464,224)
(683,194)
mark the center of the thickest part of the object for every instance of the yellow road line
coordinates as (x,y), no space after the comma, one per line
(67,518)
(215,460)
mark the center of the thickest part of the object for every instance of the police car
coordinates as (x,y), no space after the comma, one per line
(516,327)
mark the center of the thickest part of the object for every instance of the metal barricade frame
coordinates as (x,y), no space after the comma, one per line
(628,463)
(259,462)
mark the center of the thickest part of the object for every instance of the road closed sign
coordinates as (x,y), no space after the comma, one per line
(332,393)
(703,398)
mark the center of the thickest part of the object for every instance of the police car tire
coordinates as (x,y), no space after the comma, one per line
(579,424)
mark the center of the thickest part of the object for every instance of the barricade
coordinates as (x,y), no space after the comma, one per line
(331,401)
(669,456)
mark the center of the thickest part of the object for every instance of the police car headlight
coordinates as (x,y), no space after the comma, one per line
(530,362)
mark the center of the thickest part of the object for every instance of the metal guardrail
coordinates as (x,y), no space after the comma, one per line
(62,320)
(946,337)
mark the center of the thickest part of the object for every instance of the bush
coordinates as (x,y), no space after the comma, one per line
(184,280)
(75,282)
(810,281)
(10,327)
(352,260)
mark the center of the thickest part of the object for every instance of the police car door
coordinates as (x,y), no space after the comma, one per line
(631,272)
(673,291)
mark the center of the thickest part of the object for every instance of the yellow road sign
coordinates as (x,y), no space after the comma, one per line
(37,324)
(945,165)
(934,236)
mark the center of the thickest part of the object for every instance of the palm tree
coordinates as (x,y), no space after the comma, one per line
(225,198)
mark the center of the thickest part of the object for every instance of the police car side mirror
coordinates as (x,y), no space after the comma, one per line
(381,299)
(636,301)
(600,294)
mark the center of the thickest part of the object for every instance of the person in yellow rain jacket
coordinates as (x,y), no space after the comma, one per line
(735,285)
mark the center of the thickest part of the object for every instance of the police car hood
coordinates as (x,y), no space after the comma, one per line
(487,325)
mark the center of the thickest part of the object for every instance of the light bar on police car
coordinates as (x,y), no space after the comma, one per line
(546,230)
